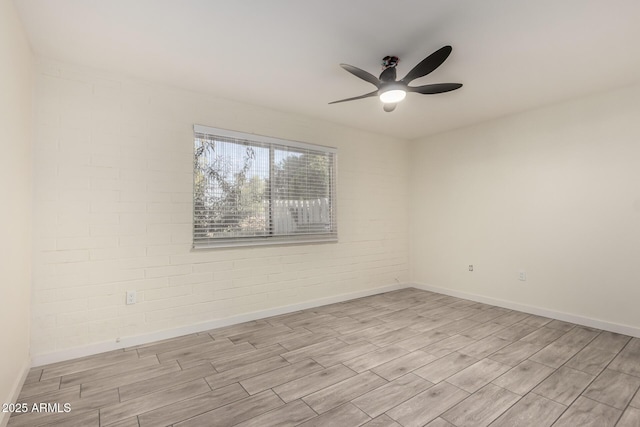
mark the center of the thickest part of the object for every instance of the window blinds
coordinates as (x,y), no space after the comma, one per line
(251,190)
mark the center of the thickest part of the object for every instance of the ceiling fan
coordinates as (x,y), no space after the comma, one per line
(391,91)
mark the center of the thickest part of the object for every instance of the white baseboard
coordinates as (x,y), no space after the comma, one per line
(559,315)
(44,359)
(59,356)
(15,392)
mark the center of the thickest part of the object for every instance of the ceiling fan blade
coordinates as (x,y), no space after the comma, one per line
(368,77)
(435,88)
(366,95)
(428,64)
(389,107)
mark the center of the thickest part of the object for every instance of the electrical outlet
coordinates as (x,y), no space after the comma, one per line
(522,275)
(131,297)
(470,267)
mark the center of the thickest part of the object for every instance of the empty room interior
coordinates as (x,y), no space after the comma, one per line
(320,213)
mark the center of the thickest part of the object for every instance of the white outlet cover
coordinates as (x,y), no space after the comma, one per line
(131,297)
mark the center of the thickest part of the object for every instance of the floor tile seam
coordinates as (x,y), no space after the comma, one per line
(155,390)
(283,341)
(68,362)
(158,355)
(561,330)
(520,397)
(395,406)
(291,329)
(356,331)
(453,385)
(636,394)
(595,377)
(179,421)
(581,394)
(469,395)
(281,406)
(239,383)
(179,364)
(531,389)
(585,372)
(553,400)
(566,361)
(588,342)
(617,354)
(205,359)
(490,354)
(483,386)
(466,329)
(396,341)
(363,339)
(163,341)
(600,403)
(436,360)
(257,373)
(84,370)
(122,385)
(606,404)
(576,398)
(380,364)
(180,399)
(312,373)
(31,396)
(348,360)
(354,398)
(40,397)
(292,351)
(445,355)
(213,409)
(159,351)
(630,400)
(107,377)
(404,372)
(249,339)
(309,359)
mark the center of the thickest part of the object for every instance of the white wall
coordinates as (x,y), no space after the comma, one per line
(113,212)
(554,192)
(16,195)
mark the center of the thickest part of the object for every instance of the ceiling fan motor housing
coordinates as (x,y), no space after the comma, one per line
(391,91)
(388,75)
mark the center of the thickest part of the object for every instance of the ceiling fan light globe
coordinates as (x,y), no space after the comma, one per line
(392,96)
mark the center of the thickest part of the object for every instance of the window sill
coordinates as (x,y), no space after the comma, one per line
(231,244)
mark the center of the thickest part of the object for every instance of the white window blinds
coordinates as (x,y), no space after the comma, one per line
(251,190)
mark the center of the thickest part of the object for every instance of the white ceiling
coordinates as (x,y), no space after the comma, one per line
(511,55)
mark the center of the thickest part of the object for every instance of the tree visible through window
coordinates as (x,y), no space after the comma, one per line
(251,189)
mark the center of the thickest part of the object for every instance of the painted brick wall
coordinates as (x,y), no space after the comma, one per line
(113,212)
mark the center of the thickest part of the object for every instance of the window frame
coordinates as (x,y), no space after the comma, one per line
(331,236)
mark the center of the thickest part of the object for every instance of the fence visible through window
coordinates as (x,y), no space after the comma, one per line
(251,189)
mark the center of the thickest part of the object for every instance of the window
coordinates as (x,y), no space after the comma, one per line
(252,190)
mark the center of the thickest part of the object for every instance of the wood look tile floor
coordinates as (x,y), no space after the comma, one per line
(403,358)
